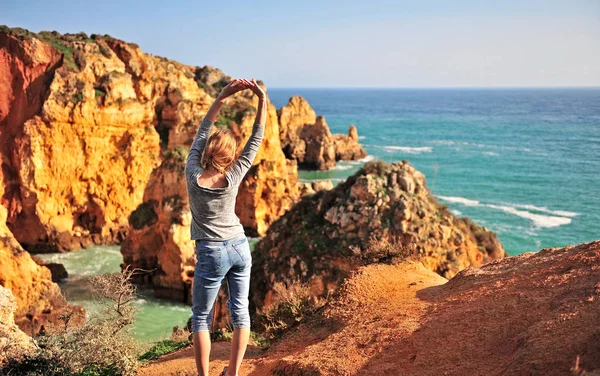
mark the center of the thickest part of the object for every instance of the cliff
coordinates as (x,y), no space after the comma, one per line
(93,132)
(86,120)
(382,213)
(305,137)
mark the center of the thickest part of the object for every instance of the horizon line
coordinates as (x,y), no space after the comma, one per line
(434,87)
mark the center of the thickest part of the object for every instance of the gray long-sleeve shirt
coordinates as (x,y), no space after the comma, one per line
(213,209)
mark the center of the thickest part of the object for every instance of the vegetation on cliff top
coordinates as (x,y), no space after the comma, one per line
(63,43)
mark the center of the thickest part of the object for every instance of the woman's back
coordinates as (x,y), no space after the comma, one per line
(213,209)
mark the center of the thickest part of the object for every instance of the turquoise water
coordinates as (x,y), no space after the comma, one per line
(156,318)
(522,162)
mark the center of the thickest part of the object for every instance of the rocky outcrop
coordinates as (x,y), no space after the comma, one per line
(58,271)
(531,314)
(305,138)
(310,188)
(13,341)
(39,300)
(328,234)
(158,241)
(347,147)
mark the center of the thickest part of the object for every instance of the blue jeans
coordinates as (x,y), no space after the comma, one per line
(216,260)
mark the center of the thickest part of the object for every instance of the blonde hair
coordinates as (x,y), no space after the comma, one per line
(219,152)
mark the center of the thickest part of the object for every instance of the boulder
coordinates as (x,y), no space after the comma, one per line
(14,342)
(347,147)
(305,138)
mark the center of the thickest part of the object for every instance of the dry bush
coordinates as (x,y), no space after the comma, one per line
(181,334)
(102,346)
(387,250)
(293,303)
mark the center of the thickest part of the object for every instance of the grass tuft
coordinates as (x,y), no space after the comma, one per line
(161,348)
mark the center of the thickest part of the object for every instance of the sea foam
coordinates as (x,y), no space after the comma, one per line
(558,217)
(539,220)
(409,149)
(459,200)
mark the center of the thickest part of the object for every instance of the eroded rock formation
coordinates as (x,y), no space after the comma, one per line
(305,137)
(327,235)
(310,188)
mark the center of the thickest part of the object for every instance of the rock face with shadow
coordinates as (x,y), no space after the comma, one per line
(305,137)
(534,314)
(34,300)
(328,234)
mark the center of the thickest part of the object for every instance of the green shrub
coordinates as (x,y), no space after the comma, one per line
(259,340)
(221,335)
(162,348)
(104,50)
(227,115)
(77,97)
(67,52)
(174,160)
(386,250)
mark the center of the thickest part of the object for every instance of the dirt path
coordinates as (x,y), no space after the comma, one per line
(379,305)
(182,362)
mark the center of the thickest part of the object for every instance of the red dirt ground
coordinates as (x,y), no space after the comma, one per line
(533,314)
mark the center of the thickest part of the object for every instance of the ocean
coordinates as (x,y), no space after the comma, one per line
(524,163)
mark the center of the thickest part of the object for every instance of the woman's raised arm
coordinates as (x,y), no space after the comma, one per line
(244,162)
(192,166)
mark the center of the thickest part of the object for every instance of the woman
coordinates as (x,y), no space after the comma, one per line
(222,251)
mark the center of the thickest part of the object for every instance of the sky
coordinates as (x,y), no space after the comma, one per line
(374,43)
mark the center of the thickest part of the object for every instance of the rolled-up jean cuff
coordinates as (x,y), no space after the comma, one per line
(199,327)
